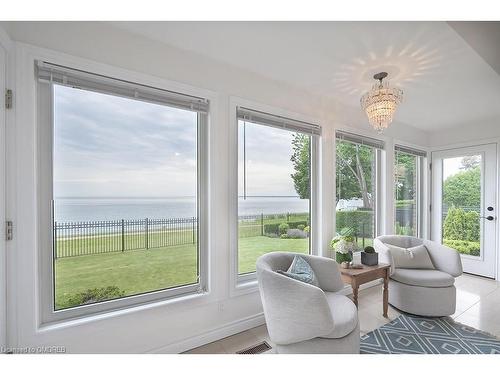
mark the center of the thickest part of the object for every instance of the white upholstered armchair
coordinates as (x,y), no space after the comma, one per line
(426,292)
(303,318)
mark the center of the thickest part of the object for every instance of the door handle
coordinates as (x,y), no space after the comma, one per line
(489,218)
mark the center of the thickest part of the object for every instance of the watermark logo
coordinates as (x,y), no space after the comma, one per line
(54,349)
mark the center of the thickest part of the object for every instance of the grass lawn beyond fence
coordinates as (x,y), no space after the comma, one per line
(139,271)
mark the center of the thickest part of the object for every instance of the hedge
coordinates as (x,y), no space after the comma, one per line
(274,229)
(464,247)
(461,225)
(360,220)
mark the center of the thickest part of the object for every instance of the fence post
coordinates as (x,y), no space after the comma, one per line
(55,239)
(146,227)
(123,235)
(194,230)
(261,224)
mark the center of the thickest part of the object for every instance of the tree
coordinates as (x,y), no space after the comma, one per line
(469,162)
(354,172)
(301,146)
(463,189)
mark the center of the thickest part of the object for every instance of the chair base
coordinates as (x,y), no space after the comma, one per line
(423,301)
(346,345)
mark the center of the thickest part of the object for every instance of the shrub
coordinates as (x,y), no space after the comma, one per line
(301,227)
(284,236)
(275,228)
(307,229)
(95,295)
(296,233)
(460,225)
(283,228)
(464,247)
(403,230)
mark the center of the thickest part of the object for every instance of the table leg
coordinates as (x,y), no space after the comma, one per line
(386,293)
(355,288)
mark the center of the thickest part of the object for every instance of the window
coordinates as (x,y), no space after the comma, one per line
(408,187)
(357,169)
(124,198)
(275,164)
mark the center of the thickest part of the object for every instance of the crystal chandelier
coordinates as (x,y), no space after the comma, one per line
(381,102)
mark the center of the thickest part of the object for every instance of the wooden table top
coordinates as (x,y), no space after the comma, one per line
(365,269)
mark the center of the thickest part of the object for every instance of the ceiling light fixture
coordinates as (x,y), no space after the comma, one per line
(381,102)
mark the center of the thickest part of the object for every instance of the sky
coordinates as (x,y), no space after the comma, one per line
(452,166)
(268,165)
(108,146)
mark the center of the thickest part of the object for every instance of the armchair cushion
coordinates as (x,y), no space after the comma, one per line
(412,257)
(344,313)
(301,270)
(425,278)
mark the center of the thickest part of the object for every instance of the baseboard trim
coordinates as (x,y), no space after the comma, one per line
(215,334)
(232,328)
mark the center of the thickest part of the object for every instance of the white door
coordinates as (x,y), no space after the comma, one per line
(464,209)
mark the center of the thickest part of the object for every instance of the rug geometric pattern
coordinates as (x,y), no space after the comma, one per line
(410,334)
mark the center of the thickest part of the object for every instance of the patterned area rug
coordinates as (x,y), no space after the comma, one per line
(410,334)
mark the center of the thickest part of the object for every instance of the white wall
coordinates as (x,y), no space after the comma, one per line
(167,327)
(486,130)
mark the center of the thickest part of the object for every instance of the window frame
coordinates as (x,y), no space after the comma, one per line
(247,283)
(46,281)
(379,148)
(420,168)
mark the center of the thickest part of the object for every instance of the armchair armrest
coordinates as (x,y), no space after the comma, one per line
(444,258)
(384,254)
(294,311)
(327,271)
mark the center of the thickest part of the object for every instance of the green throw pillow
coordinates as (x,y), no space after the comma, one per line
(302,271)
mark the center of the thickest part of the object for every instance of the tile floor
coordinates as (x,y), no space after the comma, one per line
(478,305)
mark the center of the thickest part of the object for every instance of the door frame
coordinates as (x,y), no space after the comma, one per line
(433,189)
(4,56)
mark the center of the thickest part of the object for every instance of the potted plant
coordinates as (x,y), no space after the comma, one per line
(369,257)
(344,244)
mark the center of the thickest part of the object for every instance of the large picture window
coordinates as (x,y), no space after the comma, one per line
(357,160)
(274,186)
(408,164)
(125,189)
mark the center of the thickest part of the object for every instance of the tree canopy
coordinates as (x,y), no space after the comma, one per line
(301,146)
(463,188)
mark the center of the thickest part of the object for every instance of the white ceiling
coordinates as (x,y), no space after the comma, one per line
(446,83)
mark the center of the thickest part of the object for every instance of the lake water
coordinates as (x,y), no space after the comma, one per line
(96,209)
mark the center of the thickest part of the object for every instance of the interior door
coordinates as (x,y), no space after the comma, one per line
(464,209)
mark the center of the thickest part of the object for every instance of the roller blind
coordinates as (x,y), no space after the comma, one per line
(61,75)
(359,139)
(263,118)
(410,150)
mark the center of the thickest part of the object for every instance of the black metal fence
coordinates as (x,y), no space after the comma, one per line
(97,237)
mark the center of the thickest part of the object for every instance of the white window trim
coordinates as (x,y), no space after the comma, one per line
(23,182)
(247,283)
(45,122)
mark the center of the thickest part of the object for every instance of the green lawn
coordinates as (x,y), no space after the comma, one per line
(138,271)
